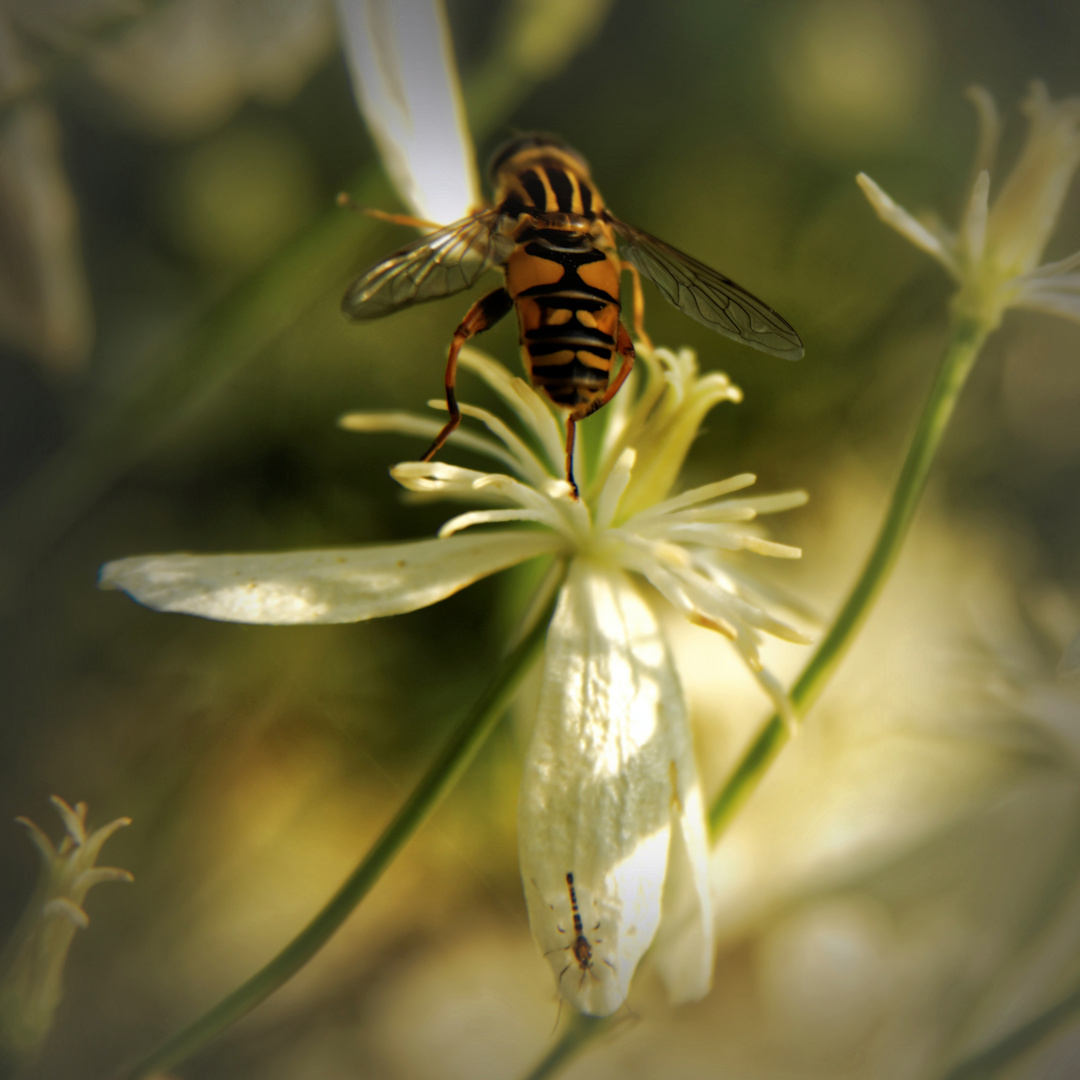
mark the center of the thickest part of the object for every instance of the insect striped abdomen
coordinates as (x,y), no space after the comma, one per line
(566,291)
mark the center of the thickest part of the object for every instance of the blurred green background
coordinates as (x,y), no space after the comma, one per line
(890,898)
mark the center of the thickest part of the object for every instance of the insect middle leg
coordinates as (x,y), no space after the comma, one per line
(625,348)
(485,313)
(639,303)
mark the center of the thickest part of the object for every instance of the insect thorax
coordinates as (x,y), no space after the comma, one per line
(550,180)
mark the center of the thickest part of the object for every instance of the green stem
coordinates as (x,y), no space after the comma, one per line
(580,1031)
(965,340)
(987,1063)
(439,779)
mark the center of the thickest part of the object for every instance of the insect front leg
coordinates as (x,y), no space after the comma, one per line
(347,202)
(485,313)
(625,348)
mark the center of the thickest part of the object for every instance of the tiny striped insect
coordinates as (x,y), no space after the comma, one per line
(562,254)
(581,948)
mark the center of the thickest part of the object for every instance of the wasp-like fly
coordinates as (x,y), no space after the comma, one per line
(559,250)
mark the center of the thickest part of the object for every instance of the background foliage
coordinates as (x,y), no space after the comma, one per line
(885,897)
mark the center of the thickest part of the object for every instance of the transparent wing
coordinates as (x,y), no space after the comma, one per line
(439,264)
(708,296)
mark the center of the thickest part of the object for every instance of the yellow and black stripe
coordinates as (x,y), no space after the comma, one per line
(564,274)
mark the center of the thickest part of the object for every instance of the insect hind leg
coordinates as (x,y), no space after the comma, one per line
(484,314)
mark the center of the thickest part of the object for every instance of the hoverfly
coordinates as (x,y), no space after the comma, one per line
(558,247)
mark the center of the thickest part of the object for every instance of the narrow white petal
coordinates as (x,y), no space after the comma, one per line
(698,495)
(68,910)
(973,240)
(517,455)
(683,948)
(760,546)
(771,504)
(40,840)
(764,594)
(439,476)
(1049,270)
(608,758)
(1058,296)
(85,881)
(485,517)
(989,127)
(1026,210)
(690,590)
(525,462)
(779,696)
(738,509)
(614,486)
(519,396)
(719,535)
(402,64)
(329,586)
(402,423)
(720,513)
(552,504)
(74,818)
(897,217)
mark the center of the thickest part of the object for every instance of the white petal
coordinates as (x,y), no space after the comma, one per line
(1056,296)
(609,754)
(402,63)
(74,818)
(683,949)
(698,495)
(519,396)
(1049,270)
(989,127)
(403,423)
(485,517)
(760,546)
(1026,210)
(896,216)
(330,586)
(612,491)
(973,227)
(553,507)
(522,460)
(68,910)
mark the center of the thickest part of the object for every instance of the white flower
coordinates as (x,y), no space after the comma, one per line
(610,800)
(994,255)
(31,983)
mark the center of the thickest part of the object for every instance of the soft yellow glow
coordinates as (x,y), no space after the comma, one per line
(853,72)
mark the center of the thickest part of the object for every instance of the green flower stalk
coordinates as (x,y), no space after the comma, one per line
(31,983)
